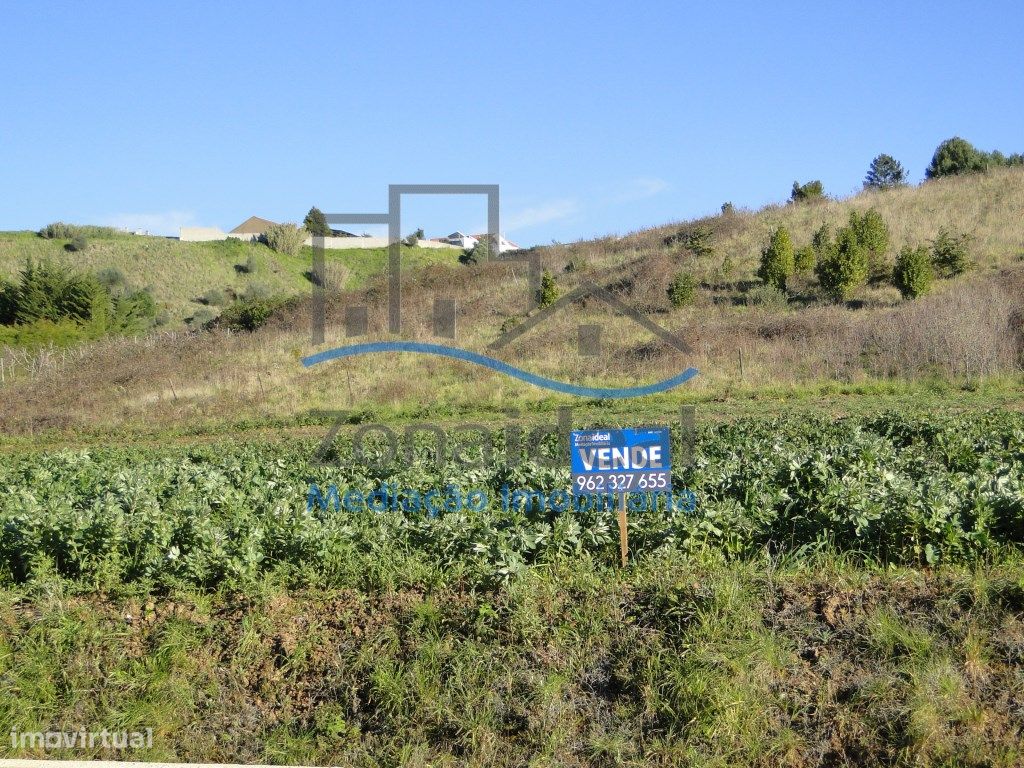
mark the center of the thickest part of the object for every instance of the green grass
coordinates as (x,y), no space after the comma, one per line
(180,273)
(683,662)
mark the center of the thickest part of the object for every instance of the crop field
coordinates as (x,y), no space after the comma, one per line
(832,592)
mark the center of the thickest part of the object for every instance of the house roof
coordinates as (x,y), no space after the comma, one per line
(252,225)
(504,239)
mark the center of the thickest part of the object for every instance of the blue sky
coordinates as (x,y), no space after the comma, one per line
(594,117)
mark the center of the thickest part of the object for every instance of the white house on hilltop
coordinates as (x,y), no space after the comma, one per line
(466,242)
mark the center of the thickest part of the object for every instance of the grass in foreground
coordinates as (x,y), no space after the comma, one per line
(672,662)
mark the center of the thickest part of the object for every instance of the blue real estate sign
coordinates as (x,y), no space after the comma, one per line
(621,460)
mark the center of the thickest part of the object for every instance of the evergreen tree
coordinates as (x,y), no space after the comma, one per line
(885,172)
(777,259)
(316,223)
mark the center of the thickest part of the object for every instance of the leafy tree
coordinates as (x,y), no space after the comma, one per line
(548,293)
(955,156)
(804,260)
(285,238)
(873,235)
(950,254)
(777,259)
(913,273)
(844,266)
(682,290)
(803,193)
(316,223)
(885,172)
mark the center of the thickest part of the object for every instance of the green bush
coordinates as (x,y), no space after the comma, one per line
(316,223)
(78,243)
(252,265)
(955,156)
(696,239)
(55,294)
(61,231)
(885,172)
(548,293)
(8,302)
(950,253)
(111,277)
(843,266)
(58,230)
(201,317)
(214,298)
(777,259)
(249,314)
(285,238)
(873,236)
(804,260)
(805,193)
(913,272)
(682,290)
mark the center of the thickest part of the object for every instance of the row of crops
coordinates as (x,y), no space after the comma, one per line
(890,488)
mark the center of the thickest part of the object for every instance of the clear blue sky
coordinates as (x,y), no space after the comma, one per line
(594,117)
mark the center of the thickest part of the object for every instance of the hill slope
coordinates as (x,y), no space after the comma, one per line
(179,274)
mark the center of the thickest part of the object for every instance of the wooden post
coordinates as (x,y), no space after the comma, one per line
(741,365)
(623,530)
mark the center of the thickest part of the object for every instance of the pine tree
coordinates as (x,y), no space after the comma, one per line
(885,172)
(316,223)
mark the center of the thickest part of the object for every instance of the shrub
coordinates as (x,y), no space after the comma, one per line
(548,293)
(251,266)
(913,272)
(682,290)
(201,317)
(111,277)
(728,209)
(804,193)
(885,172)
(950,253)
(777,259)
(578,264)
(285,238)
(249,314)
(843,267)
(804,260)
(766,296)
(873,236)
(955,156)
(61,231)
(214,298)
(255,291)
(133,312)
(58,231)
(695,239)
(8,302)
(78,243)
(316,223)
(413,239)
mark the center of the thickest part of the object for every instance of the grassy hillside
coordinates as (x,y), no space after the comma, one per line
(180,273)
(968,334)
